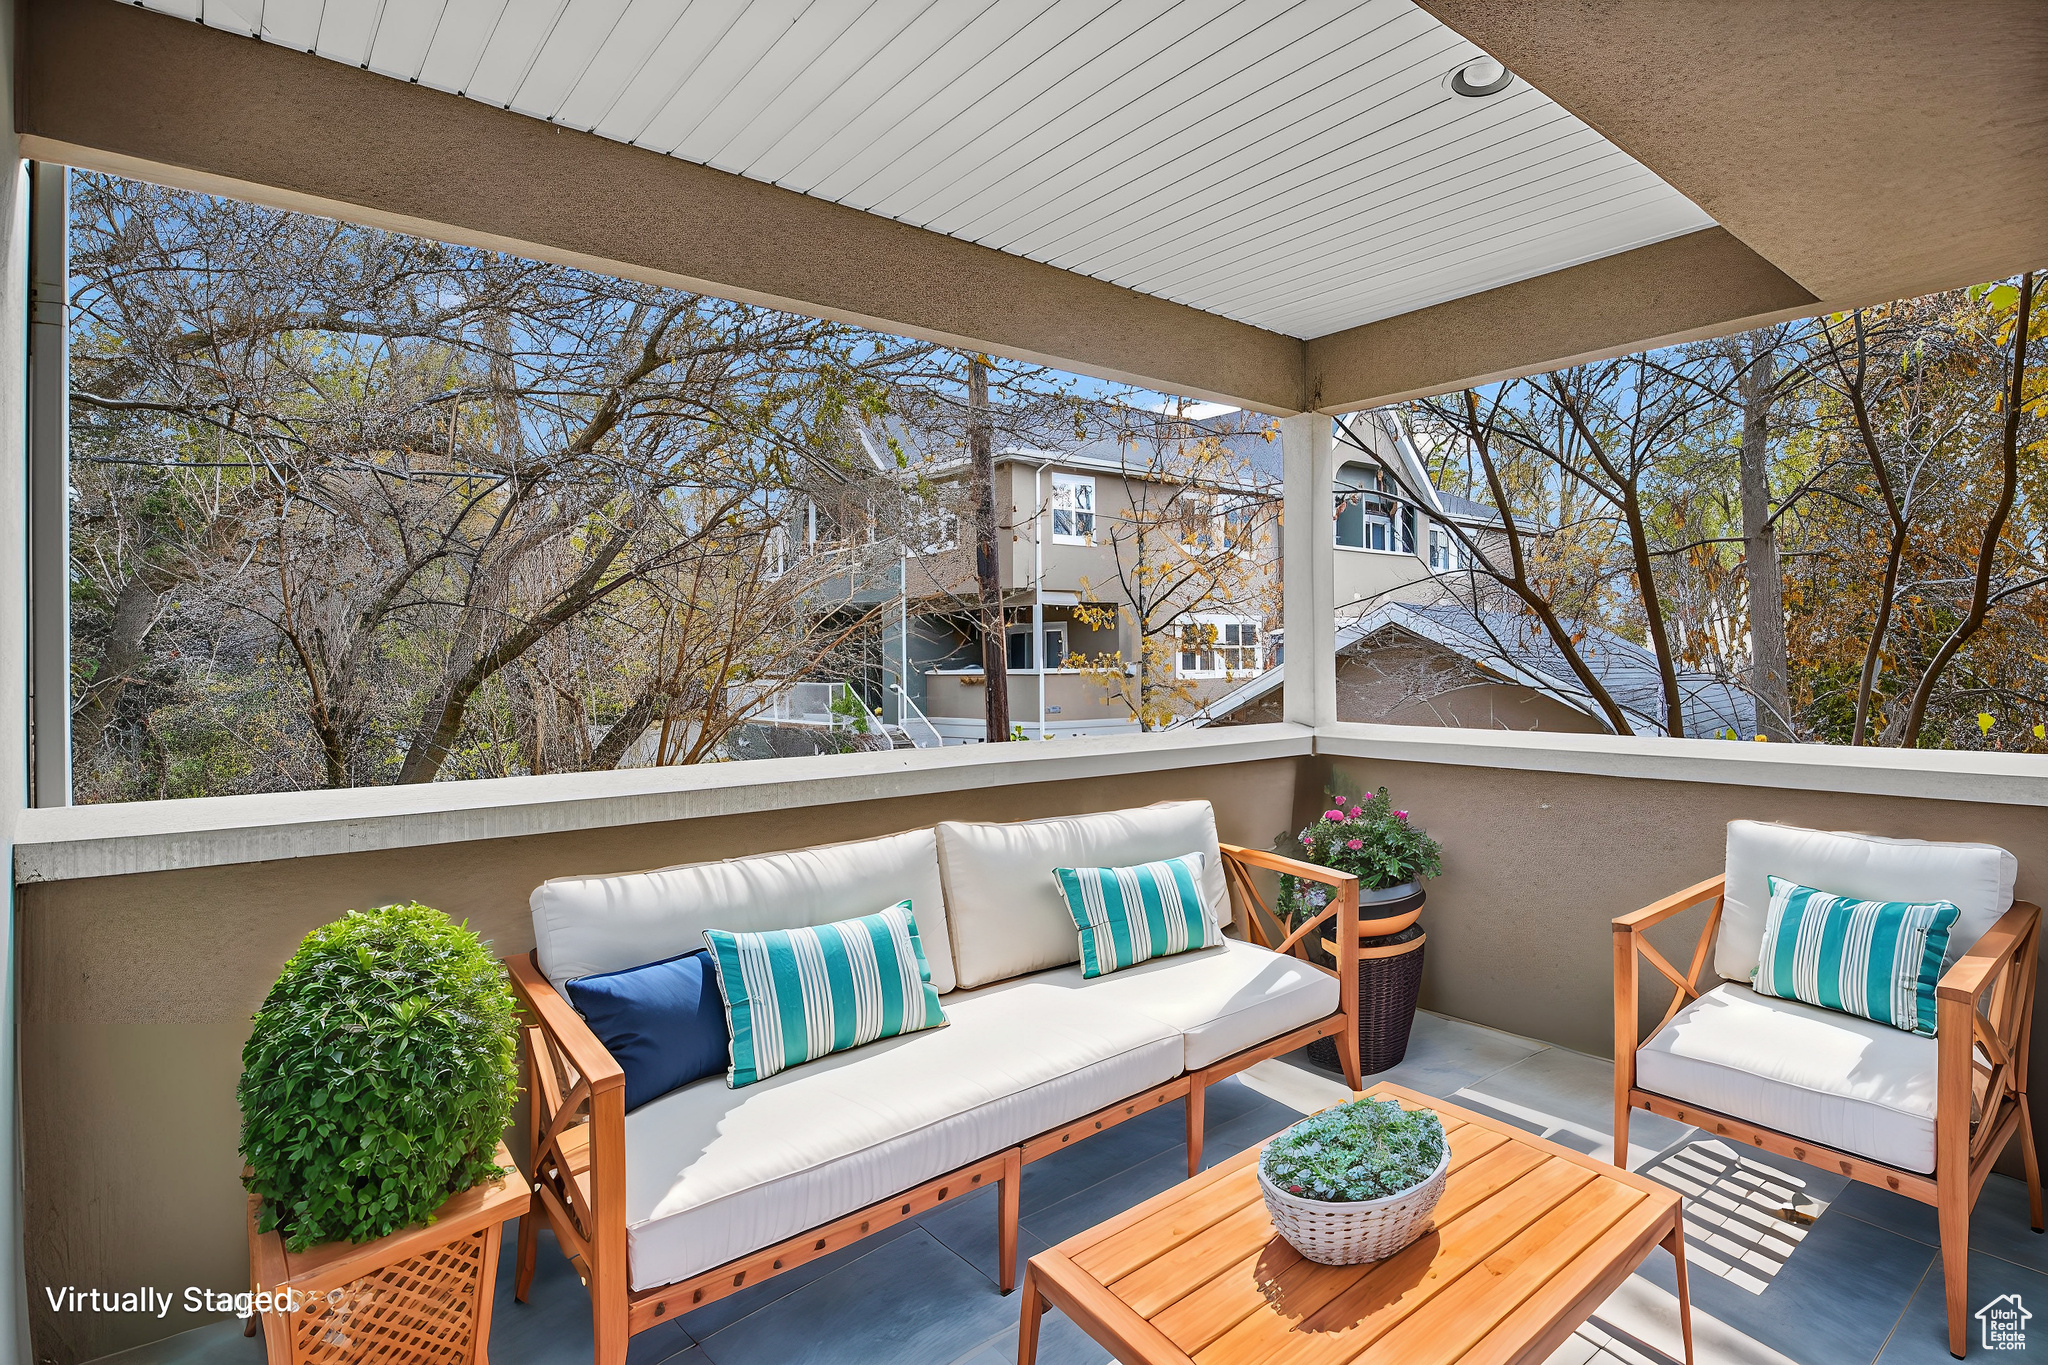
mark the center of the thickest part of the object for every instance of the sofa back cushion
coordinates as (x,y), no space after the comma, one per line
(1003,906)
(600,924)
(1976,878)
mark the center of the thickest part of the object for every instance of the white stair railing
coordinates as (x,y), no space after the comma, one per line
(913,722)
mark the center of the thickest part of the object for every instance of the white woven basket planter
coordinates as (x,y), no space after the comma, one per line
(1358,1231)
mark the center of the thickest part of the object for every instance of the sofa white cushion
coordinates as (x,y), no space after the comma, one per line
(1835,1079)
(601,924)
(1222,1000)
(1978,878)
(1002,905)
(713,1173)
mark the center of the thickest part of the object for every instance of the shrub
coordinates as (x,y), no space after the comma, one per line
(379,1076)
(1367,1149)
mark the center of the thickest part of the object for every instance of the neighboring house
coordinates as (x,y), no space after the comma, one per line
(1065,520)
(1441,663)
(1410,651)
(1396,531)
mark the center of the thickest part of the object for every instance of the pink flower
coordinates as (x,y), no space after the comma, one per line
(1400,815)
(1356,812)
(1306,841)
(1294,1189)
(1355,844)
(1335,817)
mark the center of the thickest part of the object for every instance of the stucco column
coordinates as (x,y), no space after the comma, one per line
(1309,569)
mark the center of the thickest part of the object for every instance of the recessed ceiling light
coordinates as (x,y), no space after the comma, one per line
(1480,77)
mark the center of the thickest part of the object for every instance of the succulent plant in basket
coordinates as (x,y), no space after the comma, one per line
(1355,1183)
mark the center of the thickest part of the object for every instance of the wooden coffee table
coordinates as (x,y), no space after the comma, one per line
(1530,1238)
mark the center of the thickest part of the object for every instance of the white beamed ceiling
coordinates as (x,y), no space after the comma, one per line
(1301,165)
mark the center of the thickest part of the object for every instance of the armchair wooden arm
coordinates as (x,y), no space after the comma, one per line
(1237,859)
(1343,909)
(576,1129)
(1984,1005)
(1631,947)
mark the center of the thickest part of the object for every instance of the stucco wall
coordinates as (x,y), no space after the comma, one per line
(137,990)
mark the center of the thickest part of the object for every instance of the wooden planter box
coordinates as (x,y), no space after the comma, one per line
(421,1295)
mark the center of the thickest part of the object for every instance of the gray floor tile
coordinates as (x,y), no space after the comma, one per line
(909,1300)
(217,1343)
(1445,1053)
(1568,1097)
(1922,1335)
(1834,1302)
(553,1326)
(1999,1225)
(730,1309)
(1094,1159)
(1060,1342)
(968,1228)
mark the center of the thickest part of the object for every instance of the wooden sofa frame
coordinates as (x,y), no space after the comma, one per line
(1985,1014)
(576,1135)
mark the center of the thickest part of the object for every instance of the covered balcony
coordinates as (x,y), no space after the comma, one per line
(1723,173)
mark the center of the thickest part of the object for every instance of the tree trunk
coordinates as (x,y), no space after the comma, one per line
(622,732)
(1768,682)
(135,611)
(987,564)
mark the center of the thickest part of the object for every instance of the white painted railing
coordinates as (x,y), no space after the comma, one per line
(913,722)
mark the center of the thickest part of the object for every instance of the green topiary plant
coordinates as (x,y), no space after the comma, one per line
(1367,1149)
(379,1076)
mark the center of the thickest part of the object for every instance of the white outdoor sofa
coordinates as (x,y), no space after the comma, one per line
(708,1189)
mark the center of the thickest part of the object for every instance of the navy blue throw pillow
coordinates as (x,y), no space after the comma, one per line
(664,1022)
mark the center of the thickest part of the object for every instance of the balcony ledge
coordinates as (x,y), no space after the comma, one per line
(115,840)
(63,844)
(1928,774)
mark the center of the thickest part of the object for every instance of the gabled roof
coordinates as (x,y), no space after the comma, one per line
(1516,649)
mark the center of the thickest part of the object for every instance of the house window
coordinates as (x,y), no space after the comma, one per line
(1364,517)
(1444,552)
(1215,647)
(1073,509)
(1020,648)
(1212,522)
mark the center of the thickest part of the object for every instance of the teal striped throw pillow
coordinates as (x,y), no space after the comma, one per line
(1128,915)
(1877,959)
(794,995)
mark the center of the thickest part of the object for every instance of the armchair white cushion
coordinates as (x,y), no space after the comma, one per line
(1976,878)
(1835,1079)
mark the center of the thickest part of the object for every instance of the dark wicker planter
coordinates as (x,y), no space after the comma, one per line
(1388,988)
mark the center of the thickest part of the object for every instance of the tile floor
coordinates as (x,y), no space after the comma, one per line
(1863,1283)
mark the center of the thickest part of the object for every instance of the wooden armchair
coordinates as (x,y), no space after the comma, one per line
(1985,1004)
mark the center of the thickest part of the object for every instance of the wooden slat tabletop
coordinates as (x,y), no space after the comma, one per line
(1528,1238)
